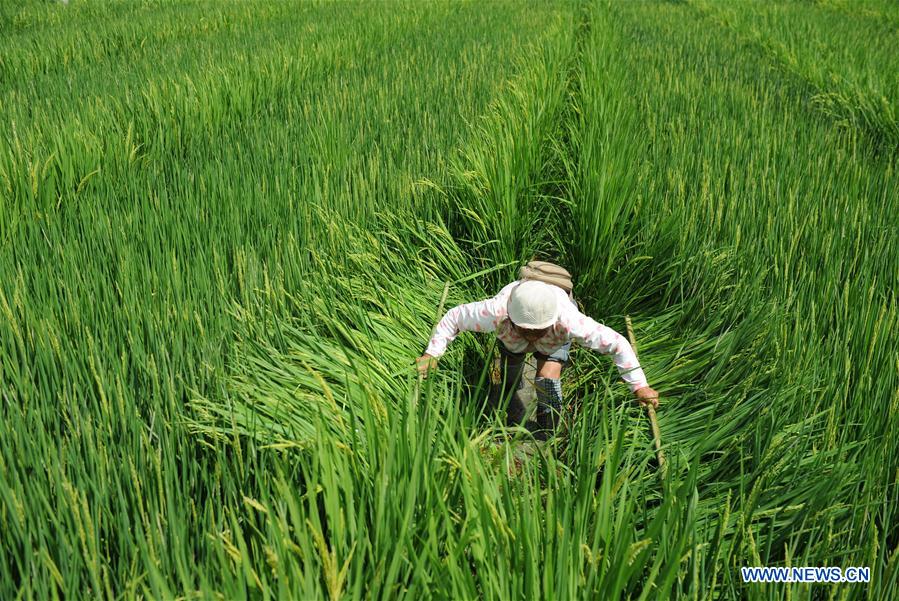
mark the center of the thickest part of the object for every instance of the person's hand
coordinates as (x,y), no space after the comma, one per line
(647,396)
(425,362)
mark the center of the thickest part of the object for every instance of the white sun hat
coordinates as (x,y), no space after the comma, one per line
(534,305)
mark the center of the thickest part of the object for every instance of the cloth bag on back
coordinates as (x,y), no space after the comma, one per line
(544,271)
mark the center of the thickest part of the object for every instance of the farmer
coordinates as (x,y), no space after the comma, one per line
(532,316)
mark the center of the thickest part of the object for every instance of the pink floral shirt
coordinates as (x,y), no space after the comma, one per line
(490,316)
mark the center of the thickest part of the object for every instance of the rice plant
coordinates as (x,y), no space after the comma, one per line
(227,229)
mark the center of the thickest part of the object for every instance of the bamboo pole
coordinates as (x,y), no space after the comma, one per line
(433,331)
(656,434)
(440,308)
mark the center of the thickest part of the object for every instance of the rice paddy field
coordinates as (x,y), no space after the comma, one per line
(225,230)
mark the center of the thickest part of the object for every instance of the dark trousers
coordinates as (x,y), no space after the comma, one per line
(511,368)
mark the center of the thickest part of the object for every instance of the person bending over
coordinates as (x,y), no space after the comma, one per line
(530,316)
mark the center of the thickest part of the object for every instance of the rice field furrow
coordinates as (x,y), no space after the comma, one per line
(853,83)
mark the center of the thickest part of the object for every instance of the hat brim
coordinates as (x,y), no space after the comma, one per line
(538,326)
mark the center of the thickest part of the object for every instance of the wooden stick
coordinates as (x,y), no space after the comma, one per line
(439,315)
(440,308)
(656,434)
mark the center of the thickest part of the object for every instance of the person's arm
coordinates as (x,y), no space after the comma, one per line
(594,335)
(480,316)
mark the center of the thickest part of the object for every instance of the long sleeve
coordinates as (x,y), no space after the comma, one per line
(470,317)
(598,337)
(479,316)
